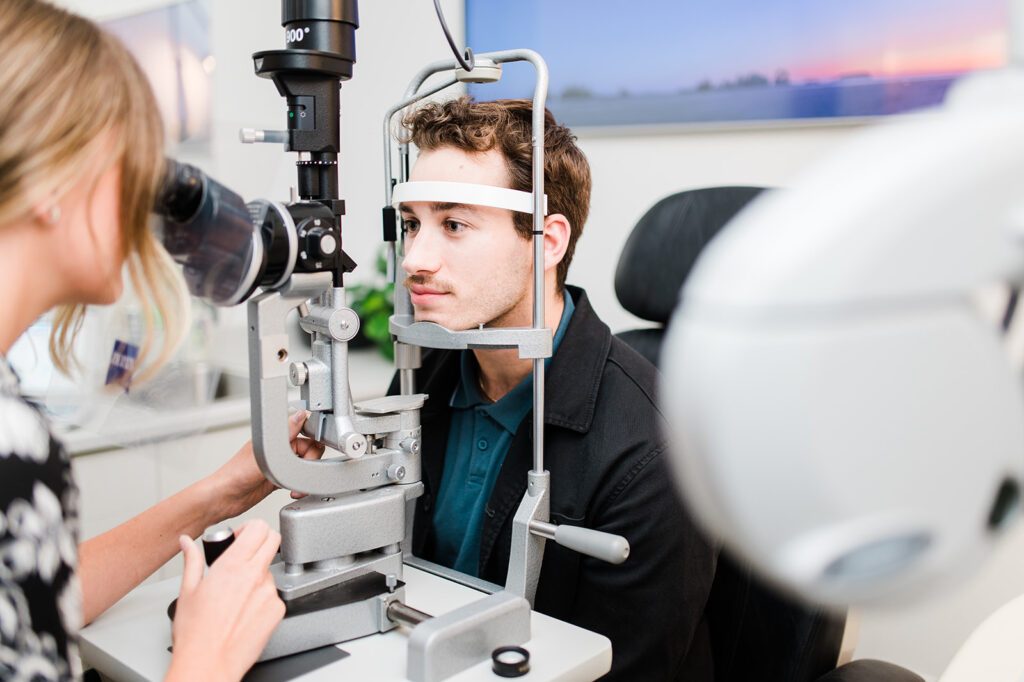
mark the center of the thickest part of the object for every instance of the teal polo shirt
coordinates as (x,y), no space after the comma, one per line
(478,440)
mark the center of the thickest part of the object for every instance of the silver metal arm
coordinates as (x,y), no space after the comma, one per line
(392,257)
(530,525)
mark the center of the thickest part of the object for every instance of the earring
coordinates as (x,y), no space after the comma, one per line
(53,215)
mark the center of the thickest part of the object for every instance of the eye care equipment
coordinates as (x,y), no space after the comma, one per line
(345,543)
(845,416)
(531,524)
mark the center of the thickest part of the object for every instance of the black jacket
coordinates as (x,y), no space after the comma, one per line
(606,454)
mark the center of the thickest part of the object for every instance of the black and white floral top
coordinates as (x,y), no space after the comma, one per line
(40,599)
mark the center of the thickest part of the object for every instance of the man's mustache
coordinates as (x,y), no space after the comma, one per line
(429,282)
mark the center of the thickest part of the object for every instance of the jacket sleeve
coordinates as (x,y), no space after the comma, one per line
(651,606)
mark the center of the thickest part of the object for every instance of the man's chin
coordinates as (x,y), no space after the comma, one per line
(420,315)
(445,321)
(436,319)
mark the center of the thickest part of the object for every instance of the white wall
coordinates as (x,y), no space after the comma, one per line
(633,171)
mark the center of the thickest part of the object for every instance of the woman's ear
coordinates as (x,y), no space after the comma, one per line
(556,239)
(47,213)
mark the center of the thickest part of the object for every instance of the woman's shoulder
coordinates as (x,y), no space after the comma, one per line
(39,594)
(24,433)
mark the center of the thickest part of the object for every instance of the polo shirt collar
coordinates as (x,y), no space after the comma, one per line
(510,410)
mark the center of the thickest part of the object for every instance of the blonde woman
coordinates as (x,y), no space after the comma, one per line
(81,148)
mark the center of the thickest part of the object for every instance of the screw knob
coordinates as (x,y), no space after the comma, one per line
(298,373)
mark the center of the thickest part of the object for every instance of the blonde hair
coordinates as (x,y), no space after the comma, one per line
(72,92)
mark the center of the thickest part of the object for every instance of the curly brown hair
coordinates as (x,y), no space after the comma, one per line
(506,125)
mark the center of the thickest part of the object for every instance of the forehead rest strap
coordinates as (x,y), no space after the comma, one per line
(465,193)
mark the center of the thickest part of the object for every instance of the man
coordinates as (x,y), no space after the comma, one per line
(470,264)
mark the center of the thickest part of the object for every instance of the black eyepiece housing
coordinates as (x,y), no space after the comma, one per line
(320,51)
(321,25)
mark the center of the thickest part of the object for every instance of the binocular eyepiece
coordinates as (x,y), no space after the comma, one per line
(228,248)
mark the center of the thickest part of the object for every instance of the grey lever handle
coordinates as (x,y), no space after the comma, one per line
(252,135)
(604,546)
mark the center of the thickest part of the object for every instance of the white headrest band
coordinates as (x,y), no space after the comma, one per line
(465,193)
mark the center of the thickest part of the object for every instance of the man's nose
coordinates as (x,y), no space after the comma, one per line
(421,252)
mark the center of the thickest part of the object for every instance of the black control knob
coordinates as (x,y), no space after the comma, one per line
(215,541)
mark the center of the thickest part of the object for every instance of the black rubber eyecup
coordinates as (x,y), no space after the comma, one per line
(510,661)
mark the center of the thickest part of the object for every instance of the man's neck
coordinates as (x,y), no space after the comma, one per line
(502,370)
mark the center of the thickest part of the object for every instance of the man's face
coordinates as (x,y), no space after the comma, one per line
(466,264)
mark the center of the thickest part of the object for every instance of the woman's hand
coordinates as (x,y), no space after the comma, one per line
(224,619)
(112,564)
(240,480)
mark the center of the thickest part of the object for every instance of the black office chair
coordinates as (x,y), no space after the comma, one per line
(757,632)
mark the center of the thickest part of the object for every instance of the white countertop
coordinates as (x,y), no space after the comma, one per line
(136,425)
(128,424)
(130,641)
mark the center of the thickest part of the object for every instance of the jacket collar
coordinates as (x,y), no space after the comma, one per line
(572,379)
(574,376)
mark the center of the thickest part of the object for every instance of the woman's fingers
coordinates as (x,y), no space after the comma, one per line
(307,448)
(265,554)
(295,423)
(248,540)
(262,614)
(193,572)
(225,618)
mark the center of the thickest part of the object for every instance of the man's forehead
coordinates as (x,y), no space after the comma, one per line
(449,164)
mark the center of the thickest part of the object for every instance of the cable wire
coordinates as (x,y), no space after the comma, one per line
(466,62)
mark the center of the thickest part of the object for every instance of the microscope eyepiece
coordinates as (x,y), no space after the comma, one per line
(229,248)
(207,228)
(181,191)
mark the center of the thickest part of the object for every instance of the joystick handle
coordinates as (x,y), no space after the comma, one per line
(216,539)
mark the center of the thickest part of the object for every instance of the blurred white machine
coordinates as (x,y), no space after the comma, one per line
(846,418)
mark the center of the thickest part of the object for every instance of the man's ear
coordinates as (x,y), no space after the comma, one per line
(556,239)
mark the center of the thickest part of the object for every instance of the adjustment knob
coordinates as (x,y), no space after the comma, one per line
(298,373)
(328,244)
(318,240)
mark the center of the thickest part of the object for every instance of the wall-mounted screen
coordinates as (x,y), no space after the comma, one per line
(732,61)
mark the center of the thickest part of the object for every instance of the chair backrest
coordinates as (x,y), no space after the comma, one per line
(757,633)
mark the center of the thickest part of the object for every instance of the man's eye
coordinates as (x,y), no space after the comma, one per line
(454,226)
(410,225)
